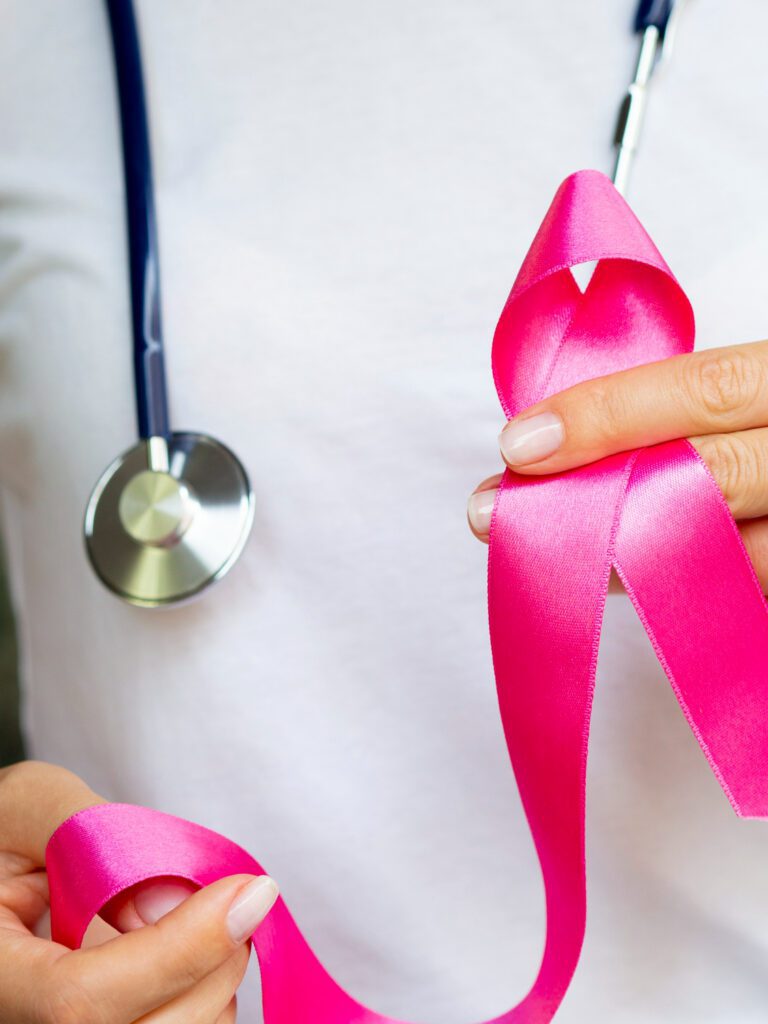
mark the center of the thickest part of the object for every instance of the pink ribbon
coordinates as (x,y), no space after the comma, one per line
(656,515)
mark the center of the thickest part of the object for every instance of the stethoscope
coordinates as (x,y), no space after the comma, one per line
(171,515)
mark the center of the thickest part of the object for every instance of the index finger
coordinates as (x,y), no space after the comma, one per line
(715,391)
(35,798)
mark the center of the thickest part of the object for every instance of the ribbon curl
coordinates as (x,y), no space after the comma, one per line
(655,514)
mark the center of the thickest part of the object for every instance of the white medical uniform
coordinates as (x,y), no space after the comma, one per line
(345,192)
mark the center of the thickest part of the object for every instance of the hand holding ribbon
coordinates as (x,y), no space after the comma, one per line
(655,514)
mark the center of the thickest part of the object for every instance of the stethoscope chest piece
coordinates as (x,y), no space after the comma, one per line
(167,518)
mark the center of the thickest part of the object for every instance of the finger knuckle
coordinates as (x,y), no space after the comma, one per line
(188,963)
(19,774)
(723,384)
(755,539)
(68,1001)
(606,410)
(734,465)
(25,777)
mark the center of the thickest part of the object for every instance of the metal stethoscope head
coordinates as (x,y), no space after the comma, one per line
(167,518)
(171,515)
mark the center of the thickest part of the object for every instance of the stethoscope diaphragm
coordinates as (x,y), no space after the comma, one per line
(166,519)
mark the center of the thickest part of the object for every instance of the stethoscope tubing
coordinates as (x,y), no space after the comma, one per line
(172,513)
(151,392)
(146,316)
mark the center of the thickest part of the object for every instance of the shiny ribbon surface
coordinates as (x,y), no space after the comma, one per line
(655,514)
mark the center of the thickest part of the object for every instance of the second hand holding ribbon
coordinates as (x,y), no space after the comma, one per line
(656,515)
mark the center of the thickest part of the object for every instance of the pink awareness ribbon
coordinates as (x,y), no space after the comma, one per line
(655,514)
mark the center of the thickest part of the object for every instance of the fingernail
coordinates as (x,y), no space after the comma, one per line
(533,439)
(250,907)
(479,509)
(159,899)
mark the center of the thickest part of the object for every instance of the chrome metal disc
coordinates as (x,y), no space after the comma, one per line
(156,533)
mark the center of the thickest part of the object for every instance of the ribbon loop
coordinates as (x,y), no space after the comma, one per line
(656,515)
(550,336)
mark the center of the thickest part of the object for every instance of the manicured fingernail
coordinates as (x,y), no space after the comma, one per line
(250,907)
(159,899)
(525,441)
(479,509)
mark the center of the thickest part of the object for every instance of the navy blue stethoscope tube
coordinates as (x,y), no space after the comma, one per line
(653,14)
(146,315)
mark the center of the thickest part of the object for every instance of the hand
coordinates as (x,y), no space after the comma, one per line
(717,398)
(185,967)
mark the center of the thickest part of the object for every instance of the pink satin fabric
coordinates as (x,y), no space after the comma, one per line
(655,515)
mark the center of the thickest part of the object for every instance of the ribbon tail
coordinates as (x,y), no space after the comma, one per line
(549,564)
(709,627)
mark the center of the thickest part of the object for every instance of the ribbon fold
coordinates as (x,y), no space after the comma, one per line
(655,515)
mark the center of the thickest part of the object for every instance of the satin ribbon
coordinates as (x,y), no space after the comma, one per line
(656,515)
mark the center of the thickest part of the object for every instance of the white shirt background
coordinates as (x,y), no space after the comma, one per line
(345,192)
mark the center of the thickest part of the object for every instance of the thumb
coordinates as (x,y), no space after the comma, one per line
(185,946)
(146,902)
